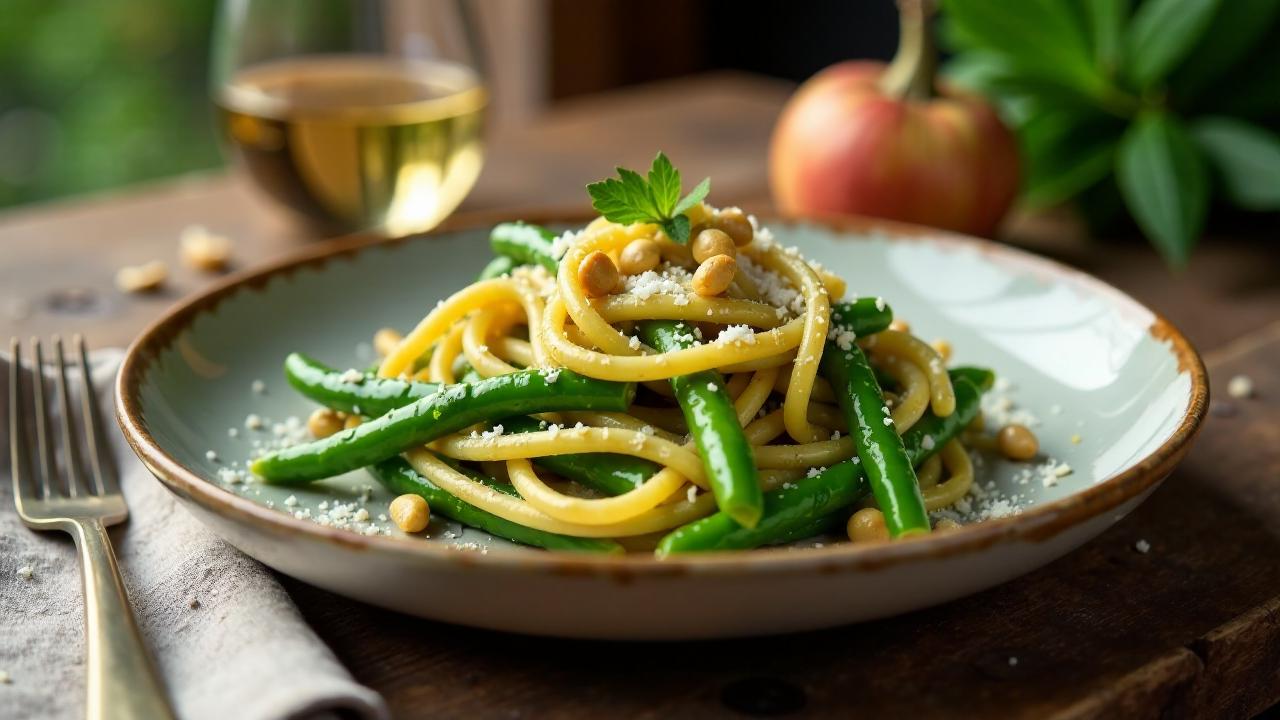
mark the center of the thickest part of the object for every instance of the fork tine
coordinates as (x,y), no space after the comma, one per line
(104,469)
(48,466)
(76,482)
(19,444)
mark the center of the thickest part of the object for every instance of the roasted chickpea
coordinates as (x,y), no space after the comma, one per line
(943,348)
(385,341)
(867,525)
(410,513)
(734,223)
(324,422)
(712,242)
(1016,442)
(639,256)
(714,276)
(598,275)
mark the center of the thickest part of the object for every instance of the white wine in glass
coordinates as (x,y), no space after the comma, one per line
(376,124)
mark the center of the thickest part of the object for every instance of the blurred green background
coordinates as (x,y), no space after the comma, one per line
(99,94)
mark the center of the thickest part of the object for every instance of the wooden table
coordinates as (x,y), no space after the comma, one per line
(1190,629)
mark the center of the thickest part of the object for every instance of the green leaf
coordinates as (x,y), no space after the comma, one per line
(1246,156)
(1236,29)
(677,228)
(1161,34)
(611,199)
(630,198)
(664,184)
(693,198)
(1163,181)
(1043,38)
(1066,153)
(1106,20)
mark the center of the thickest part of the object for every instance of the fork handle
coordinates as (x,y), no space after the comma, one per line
(123,682)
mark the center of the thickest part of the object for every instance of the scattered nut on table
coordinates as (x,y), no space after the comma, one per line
(142,278)
(204,250)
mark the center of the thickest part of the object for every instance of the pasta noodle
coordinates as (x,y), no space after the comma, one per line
(765,337)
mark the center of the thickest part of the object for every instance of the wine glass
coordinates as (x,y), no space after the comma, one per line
(358,114)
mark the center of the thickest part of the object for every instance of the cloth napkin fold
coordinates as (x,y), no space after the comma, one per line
(227,638)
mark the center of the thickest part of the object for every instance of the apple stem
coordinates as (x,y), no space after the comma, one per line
(910,75)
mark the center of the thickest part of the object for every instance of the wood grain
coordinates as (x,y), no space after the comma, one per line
(1187,630)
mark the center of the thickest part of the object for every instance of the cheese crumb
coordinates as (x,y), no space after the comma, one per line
(1142,546)
(634,343)
(691,494)
(712,387)
(351,375)
(928,443)
(551,375)
(1240,387)
(291,500)
(26,572)
(258,387)
(5,677)
(737,334)
(361,515)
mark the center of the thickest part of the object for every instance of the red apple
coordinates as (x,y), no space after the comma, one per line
(873,139)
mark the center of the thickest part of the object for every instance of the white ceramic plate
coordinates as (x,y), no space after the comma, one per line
(1082,357)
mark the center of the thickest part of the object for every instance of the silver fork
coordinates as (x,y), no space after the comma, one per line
(122,680)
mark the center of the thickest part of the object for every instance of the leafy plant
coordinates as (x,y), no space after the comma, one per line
(1164,103)
(629,198)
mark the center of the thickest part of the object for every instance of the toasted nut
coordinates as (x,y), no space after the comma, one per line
(142,278)
(946,524)
(867,525)
(324,422)
(385,341)
(204,250)
(1016,442)
(597,275)
(735,224)
(639,256)
(714,276)
(352,421)
(712,242)
(900,325)
(410,513)
(943,348)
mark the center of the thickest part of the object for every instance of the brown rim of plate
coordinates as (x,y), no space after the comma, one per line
(1035,524)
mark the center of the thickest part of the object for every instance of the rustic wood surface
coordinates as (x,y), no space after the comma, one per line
(1189,629)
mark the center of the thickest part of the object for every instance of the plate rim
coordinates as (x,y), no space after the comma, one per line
(1039,523)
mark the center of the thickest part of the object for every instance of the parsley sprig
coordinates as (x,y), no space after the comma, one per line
(630,198)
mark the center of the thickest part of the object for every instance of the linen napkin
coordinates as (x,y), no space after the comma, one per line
(225,636)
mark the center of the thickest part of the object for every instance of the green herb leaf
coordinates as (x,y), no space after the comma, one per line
(1164,184)
(1161,34)
(677,228)
(630,198)
(664,184)
(696,196)
(1247,157)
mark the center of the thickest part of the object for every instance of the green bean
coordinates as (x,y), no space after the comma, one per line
(708,411)
(884,459)
(497,267)
(864,316)
(368,396)
(610,473)
(450,409)
(396,475)
(525,244)
(790,509)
